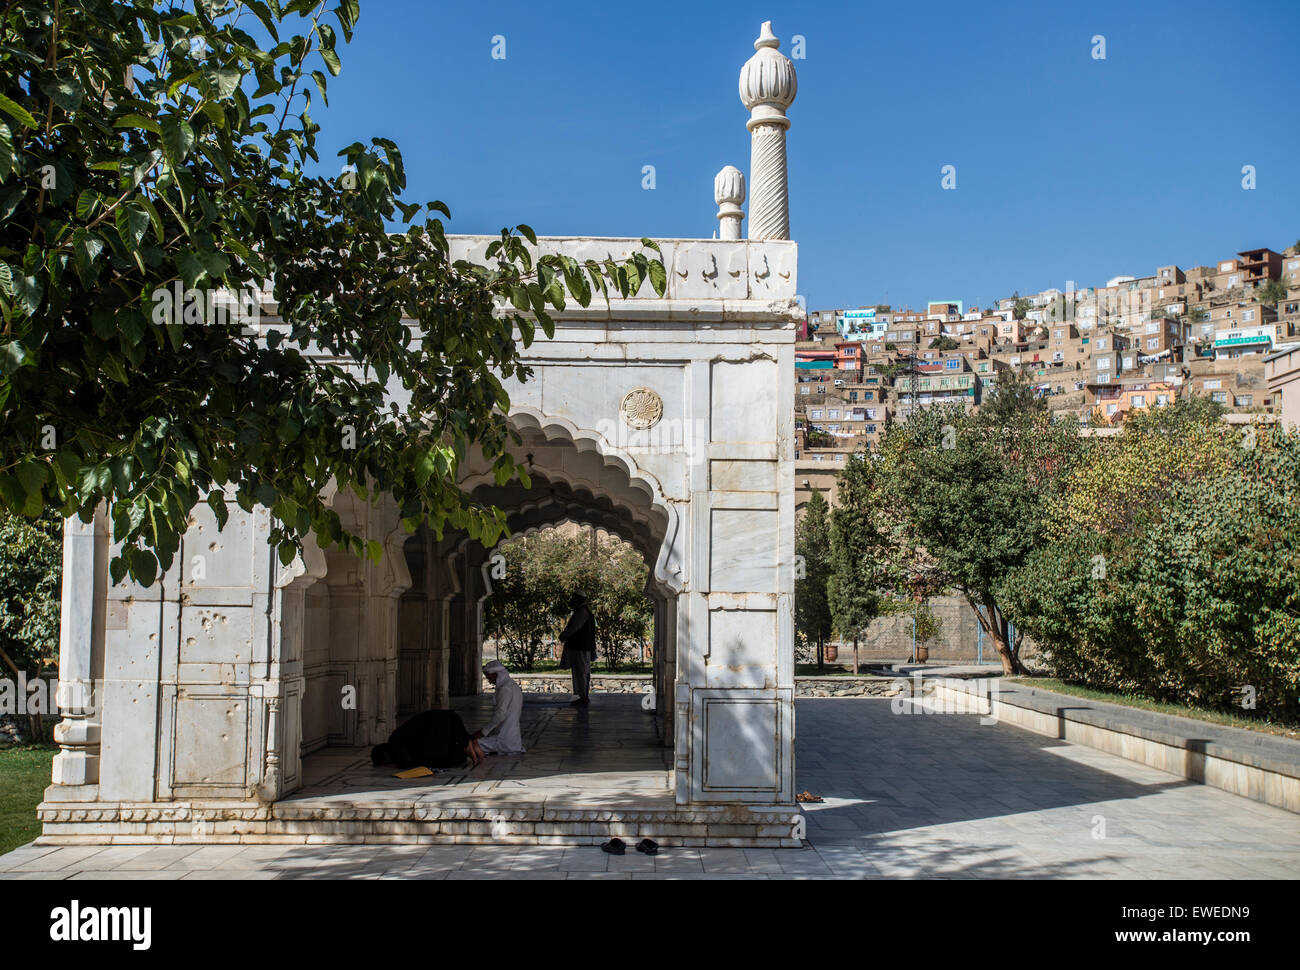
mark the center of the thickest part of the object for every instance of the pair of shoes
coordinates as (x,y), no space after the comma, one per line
(614,847)
(648,847)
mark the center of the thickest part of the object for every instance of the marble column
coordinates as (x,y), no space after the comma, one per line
(767,88)
(81,637)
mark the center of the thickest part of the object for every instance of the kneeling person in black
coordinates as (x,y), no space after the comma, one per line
(434,739)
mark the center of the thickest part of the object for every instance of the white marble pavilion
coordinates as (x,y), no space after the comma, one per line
(664,420)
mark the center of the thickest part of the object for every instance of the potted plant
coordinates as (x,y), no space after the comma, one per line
(928,627)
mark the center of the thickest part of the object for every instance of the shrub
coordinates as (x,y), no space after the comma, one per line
(1191,591)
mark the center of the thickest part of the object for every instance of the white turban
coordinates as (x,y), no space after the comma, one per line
(494,665)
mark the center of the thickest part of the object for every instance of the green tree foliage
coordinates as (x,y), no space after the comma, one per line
(1129,475)
(971,492)
(521,612)
(943,343)
(149,149)
(1021,307)
(864,547)
(614,582)
(1190,590)
(31,570)
(1011,395)
(812,542)
(530,604)
(1271,292)
(928,624)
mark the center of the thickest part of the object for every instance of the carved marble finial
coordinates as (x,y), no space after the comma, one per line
(768,86)
(768,79)
(729,194)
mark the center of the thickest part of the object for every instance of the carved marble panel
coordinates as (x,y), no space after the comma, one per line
(743,550)
(743,399)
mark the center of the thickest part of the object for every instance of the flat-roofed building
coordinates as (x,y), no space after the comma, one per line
(1282,373)
(1258,265)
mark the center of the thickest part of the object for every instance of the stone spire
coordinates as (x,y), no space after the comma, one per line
(729,193)
(767,88)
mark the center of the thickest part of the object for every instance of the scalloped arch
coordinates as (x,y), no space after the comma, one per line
(659,516)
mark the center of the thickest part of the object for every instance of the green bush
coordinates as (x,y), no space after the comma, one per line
(530,603)
(1195,597)
(31,576)
(31,573)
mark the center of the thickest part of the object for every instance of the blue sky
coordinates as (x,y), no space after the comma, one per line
(1068,167)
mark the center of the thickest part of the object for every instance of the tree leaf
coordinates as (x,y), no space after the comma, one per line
(332,63)
(17,112)
(137,121)
(86,248)
(424,465)
(224,82)
(178,138)
(658,277)
(28,291)
(6,152)
(66,92)
(87,204)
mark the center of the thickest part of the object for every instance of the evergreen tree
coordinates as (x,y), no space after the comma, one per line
(1012,396)
(859,537)
(812,613)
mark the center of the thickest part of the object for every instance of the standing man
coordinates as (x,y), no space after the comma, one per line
(579,639)
(501,734)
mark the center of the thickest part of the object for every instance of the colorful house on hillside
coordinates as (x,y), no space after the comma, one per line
(1119,401)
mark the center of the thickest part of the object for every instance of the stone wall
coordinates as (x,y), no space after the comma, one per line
(851,686)
(640,684)
(890,637)
(563,684)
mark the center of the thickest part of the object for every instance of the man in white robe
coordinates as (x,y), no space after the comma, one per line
(501,734)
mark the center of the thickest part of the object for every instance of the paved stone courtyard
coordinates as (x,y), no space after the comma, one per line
(608,755)
(906,795)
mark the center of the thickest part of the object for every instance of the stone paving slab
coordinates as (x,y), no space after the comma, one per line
(905,796)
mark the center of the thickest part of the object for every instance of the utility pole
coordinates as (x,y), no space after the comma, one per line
(912,368)
(912,658)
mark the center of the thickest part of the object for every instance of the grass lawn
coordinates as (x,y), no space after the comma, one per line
(24,775)
(1129,700)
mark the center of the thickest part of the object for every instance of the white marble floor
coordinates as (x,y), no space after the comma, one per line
(609,753)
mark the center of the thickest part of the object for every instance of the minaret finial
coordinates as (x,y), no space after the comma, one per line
(767,88)
(729,194)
